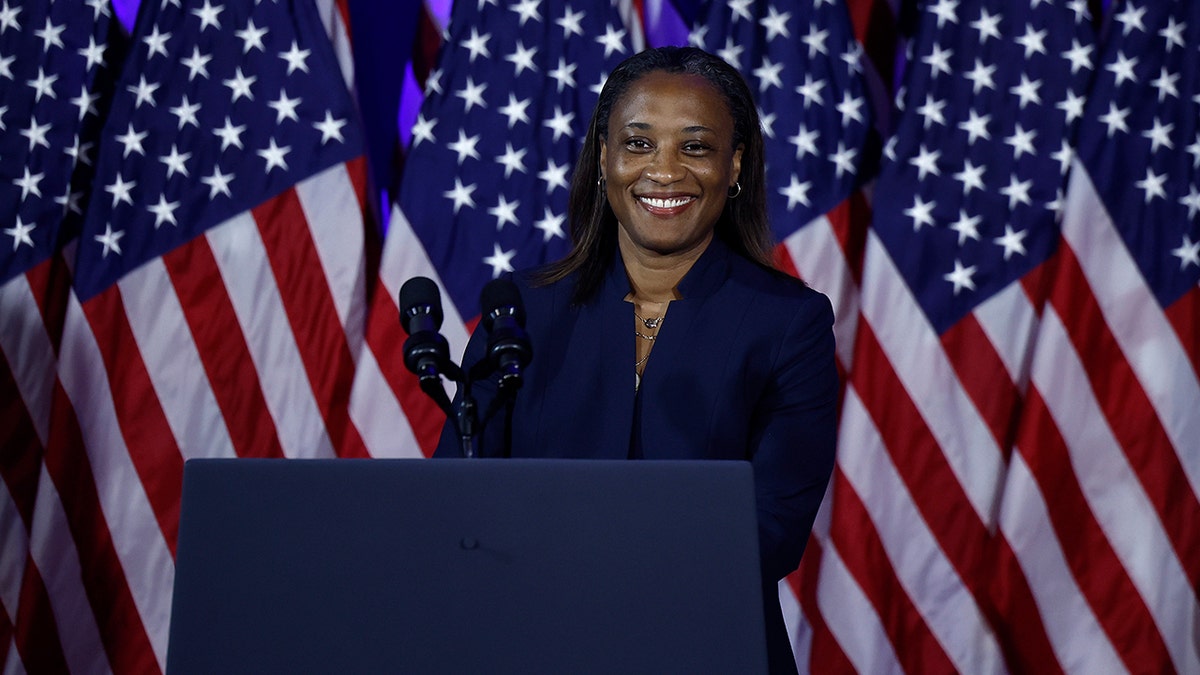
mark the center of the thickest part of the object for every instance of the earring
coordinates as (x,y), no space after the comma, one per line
(734,193)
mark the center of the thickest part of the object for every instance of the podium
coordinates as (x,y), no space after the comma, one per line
(467,566)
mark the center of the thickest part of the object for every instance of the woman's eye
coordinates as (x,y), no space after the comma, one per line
(637,144)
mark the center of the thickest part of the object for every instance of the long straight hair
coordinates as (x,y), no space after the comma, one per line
(743,224)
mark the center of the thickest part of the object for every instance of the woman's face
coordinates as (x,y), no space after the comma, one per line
(669,162)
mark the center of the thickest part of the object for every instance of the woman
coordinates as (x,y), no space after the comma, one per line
(728,358)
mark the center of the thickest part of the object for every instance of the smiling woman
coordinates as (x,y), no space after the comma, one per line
(728,358)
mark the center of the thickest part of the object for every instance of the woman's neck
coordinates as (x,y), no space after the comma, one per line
(654,277)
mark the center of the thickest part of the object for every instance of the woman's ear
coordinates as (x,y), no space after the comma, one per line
(737,162)
(602,142)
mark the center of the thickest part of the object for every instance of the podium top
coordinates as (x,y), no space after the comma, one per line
(467,566)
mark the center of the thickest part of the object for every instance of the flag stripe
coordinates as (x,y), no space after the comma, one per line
(1130,413)
(241,256)
(825,655)
(1092,560)
(312,314)
(122,631)
(1118,502)
(220,345)
(1023,635)
(145,432)
(984,377)
(1184,317)
(865,557)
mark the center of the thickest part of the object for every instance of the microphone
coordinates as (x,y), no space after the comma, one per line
(426,351)
(508,347)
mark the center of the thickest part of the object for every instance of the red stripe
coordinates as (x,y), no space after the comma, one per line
(1130,414)
(312,315)
(121,631)
(426,45)
(385,337)
(50,283)
(35,632)
(1106,586)
(214,325)
(6,632)
(932,484)
(1020,630)
(825,655)
(1184,315)
(148,437)
(21,450)
(984,378)
(865,556)
(850,221)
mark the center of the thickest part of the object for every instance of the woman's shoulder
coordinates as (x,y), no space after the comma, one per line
(772,285)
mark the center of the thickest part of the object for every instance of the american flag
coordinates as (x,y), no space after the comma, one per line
(216,309)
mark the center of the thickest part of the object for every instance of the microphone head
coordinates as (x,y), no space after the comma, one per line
(420,295)
(501,297)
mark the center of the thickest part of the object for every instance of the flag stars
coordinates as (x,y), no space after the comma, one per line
(1017,192)
(570,23)
(197,64)
(230,134)
(551,225)
(461,195)
(186,112)
(527,10)
(505,212)
(515,111)
(811,90)
(512,160)
(1165,84)
(500,260)
(1013,241)
(285,108)
(926,162)
(1152,185)
(143,92)
(1072,106)
(931,112)
(331,128)
(422,130)
(961,277)
(239,85)
(132,141)
(815,39)
(1021,141)
(209,15)
(966,226)
(251,37)
(1034,41)
(120,191)
(988,26)
(93,53)
(1192,201)
(176,162)
(477,45)
(36,133)
(156,43)
(981,76)
(522,59)
(20,233)
(42,85)
(768,75)
(218,183)
(1188,252)
(563,75)
(110,240)
(1114,119)
(560,123)
(164,212)
(1079,55)
(1159,135)
(274,156)
(945,10)
(741,10)
(1173,34)
(29,183)
(971,177)
(776,23)
(805,142)
(464,147)
(843,160)
(938,61)
(1194,151)
(1123,68)
(555,176)
(1027,91)
(51,35)
(8,17)
(976,126)
(296,58)
(6,66)
(921,213)
(850,107)
(732,53)
(472,94)
(613,41)
(1130,19)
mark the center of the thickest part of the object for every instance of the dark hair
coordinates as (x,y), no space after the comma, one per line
(743,224)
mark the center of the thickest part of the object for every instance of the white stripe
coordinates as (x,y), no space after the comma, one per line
(931,582)
(1077,639)
(143,553)
(1114,493)
(852,619)
(1010,323)
(241,257)
(13,665)
(821,262)
(331,18)
(335,222)
(1147,339)
(27,348)
(173,362)
(14,548)
(798,630)
(376,412)
(915,352)
(53,551)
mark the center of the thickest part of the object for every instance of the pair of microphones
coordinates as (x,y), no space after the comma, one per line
(427,353)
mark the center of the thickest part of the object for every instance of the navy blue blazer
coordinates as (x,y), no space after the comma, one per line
(743,368)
